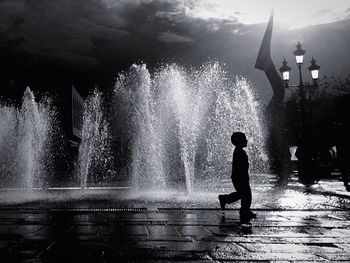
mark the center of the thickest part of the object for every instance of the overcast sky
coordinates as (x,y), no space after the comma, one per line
(109,35)
(294,14)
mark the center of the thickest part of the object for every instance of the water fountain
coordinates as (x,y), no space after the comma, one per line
(8,145)
(180,122)
(166,130)
(25,142)
(95,156)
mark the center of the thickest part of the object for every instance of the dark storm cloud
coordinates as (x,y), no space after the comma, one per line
(104,32)
(170,37)
(61,29)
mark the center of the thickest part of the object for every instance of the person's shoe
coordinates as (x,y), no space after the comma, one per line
(244,220)
(251,214)
(222,202)
(247,215)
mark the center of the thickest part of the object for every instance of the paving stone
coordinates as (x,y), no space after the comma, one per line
(229,247)
(38,218)
(5,244)
(10,215)
(135,230)
(337,257)
(193,246)
(171,238)
(293,248)
(163,256)
(338,232)
(280,231)
(91,230)
(56,230)
(193,231)
(298,240)
(122,238)
(159,216)
(224,230)
(236,239)
(22,230)
(344,246)
(156,230)
(226,255)
(5,228)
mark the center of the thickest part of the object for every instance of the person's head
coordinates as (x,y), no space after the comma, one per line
(239,139)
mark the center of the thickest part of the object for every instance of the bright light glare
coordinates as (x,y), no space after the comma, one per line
(285,75)
(295,14)
(314,74)
(299,59)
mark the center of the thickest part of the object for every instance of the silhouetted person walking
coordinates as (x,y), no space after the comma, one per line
(240,179)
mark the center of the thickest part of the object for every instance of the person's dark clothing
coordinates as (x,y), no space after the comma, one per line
(240,166)
(244,193)
(240,180)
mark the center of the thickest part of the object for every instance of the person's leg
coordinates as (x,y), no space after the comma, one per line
(246,197)
(232,197)
(245,213)
(229,198)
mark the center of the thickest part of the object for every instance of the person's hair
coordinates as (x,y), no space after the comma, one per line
(237,138)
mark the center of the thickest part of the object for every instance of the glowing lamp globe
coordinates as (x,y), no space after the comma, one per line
(314,70)
(299,54)
(285,70)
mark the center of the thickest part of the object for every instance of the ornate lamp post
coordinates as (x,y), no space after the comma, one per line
(299,57)
(285,71)
(305,154)
(314,69)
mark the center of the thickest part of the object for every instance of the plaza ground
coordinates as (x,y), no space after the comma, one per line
(294,224)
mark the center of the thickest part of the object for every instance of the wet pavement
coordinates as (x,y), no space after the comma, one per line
(294,224)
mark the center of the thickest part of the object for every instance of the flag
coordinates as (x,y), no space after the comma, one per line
(264,59)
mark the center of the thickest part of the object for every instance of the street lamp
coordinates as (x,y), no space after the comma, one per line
(299,57)
(299,54)
(285,70)
(305,145)
(314,69)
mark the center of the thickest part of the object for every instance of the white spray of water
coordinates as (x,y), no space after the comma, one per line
(181,122)
(25,142)
(146,168)
(8,145)
(95,156)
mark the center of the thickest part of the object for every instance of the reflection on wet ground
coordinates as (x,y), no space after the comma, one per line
(293,224)
(328,194)
(174,234)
